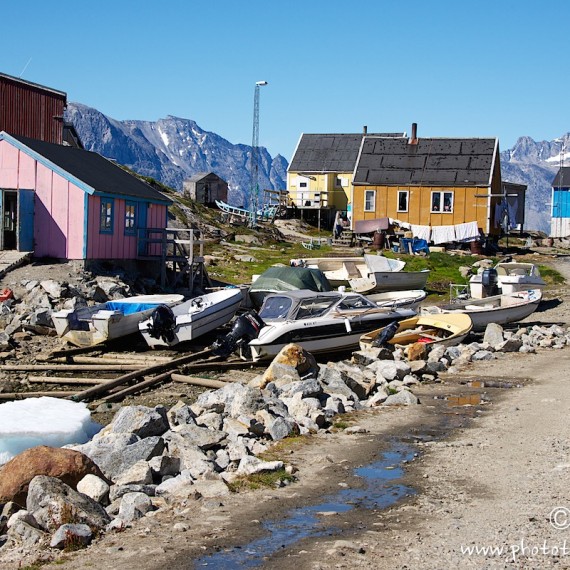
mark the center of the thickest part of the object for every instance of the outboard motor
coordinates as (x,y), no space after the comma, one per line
(386,335)
(162,323)
(246,328)
(489,281)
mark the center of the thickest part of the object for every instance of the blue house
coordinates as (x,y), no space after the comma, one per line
(560,221)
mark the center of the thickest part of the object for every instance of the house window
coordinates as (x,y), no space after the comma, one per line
(370,200)
(130,218)
(106,219)
(442,202)
(403,200)
(302,184)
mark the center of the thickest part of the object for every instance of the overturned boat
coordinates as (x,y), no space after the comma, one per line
(88,326)
(189,320)
(320,322)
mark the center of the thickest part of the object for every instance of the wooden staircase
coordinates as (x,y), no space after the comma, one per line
(346,239)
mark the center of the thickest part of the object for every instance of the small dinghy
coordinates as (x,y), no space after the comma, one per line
(500,309)
(446,330)
(189,320)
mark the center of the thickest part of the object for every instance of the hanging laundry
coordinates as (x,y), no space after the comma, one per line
(442,234)
(466,232)
(421,232)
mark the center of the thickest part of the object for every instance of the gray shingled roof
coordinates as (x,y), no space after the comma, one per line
(431,162)
(329,152)
(562,179)
(198,176)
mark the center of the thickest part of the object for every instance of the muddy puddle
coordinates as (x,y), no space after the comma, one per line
(380,485)
(380,489)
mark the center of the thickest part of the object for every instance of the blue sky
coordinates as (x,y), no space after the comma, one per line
(466,69)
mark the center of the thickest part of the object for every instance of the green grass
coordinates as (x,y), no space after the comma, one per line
(260,481)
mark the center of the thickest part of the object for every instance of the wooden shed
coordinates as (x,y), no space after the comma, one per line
(68,203)
(31,110)
(206,188)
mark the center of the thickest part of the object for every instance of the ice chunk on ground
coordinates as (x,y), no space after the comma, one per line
(43,421)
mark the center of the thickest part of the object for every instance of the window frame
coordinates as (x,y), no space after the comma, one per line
(106,216)
(130,230)
(373,200)
(407,194)
(441,194)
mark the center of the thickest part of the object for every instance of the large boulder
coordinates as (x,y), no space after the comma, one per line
(293,360)
(66,464)
(54,503)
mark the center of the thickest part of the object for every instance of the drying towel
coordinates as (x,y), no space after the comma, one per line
(421,232)
(467,231)
(442,234)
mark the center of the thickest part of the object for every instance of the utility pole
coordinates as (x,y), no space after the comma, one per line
(254,168)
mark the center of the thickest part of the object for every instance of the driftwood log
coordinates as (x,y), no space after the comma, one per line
(115,396)
(205,382)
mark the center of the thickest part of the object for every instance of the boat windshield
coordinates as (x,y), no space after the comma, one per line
(275,308)
(355,302)
(316,307)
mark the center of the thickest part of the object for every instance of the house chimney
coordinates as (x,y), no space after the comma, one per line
(414,137)
(364,130)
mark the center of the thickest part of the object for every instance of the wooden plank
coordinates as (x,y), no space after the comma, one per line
(69,367)
(137,387)
(205,382)
(25,395)
(64,380)
(103,388)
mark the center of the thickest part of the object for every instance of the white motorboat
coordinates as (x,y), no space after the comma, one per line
(320,322)
(369,273)
(500,309)
(338,270)
(401,299)
(191,319)
(87,326)
(510,277)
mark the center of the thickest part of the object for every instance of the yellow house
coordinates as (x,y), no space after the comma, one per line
(321,170)
(446,189)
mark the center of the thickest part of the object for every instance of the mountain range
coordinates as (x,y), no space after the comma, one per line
(172,149)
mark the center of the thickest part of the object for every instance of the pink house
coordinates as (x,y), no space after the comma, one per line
(68,203)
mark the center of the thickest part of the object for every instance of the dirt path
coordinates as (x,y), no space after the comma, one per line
(487,476)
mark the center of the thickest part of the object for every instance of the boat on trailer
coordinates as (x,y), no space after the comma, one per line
(189,320)
(88,326)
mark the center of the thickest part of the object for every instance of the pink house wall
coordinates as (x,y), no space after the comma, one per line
(60,225)
(59,209)
(118,245)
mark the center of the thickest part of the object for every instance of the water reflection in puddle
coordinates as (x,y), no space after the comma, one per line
(380,489)
(464,400)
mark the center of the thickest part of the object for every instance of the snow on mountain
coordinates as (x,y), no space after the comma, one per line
(173,149)
(535,163)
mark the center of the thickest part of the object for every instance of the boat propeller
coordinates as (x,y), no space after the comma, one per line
(246,328)
(162,323)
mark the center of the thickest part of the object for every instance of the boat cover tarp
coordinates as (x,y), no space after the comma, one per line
(291,278)
(381,263)
(129,308)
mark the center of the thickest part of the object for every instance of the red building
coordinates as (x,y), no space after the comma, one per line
(31,110)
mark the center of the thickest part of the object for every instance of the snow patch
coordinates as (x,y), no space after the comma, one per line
(43,421)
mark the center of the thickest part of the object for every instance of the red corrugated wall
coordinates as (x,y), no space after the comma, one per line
(30,111)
